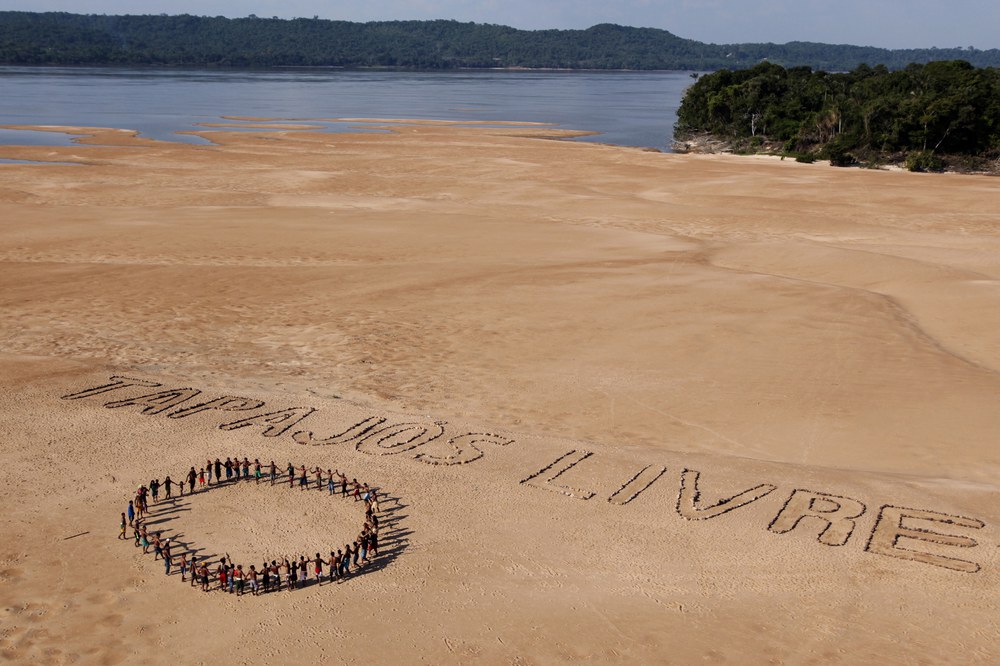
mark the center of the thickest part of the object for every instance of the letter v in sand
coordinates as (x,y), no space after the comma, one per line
(689,498)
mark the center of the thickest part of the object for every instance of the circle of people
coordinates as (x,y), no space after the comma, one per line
(286,573)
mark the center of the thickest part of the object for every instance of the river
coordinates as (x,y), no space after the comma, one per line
(627,108)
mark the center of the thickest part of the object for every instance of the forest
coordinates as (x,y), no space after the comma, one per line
(929,116)
(57,38)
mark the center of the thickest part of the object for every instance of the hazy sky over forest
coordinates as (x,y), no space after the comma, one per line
(886,23)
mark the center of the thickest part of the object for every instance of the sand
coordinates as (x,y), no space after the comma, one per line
(625,407)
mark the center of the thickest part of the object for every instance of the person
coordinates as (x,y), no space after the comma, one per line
(373,543)
(366,493)
(208,471)
(138,505)
(318,567)
(332,562)
(201,479)
(265,578)
(238,575)
(192,477)
(303,571)
(194,570)
(154,488)
(294,581)
(252,578)
(319,478)
(222,572)
(167,559)
(218,471)
(183,565)
(363,542)
(303,478)
(357,489)
(144,538)
(345,562)
(273,472)
(355,553)
(137,535)
(256,471)
(131,512)
(167,483)
(375,499)
(246,468)
(229,469)
(204,577)
(286,573)
(122,527)
(343,485)
(157,547)
(338,564)
(291,475)
(329,482)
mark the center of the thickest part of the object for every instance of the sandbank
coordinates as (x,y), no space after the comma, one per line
(641,407)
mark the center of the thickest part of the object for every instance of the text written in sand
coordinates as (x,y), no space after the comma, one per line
(923,536)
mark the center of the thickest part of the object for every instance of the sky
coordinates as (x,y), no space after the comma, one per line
(884,23)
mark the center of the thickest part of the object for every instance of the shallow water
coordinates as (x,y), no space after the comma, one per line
(6,160)
(627,108)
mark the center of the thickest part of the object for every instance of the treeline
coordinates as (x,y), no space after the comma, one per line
(28,38)
(927,116)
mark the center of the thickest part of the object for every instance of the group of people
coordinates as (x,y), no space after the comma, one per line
(236,470)
(283,573)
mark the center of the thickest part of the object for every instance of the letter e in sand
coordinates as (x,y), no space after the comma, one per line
(898,529)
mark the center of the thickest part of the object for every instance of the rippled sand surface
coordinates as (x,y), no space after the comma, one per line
(623,406)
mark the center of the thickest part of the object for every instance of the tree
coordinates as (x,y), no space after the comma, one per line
(940,108)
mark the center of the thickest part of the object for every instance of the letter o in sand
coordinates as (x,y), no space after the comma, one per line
(277,521)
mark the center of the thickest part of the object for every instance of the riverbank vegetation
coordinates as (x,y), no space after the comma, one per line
(934,116)
(57,38)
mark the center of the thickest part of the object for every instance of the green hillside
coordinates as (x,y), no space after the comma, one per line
(28,38)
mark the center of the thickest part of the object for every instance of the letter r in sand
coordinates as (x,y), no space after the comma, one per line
(837,512)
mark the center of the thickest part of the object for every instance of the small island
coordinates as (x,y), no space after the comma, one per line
(937,116)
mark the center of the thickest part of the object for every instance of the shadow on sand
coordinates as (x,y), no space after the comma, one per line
(393,537)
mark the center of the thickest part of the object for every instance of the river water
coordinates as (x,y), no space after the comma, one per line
(627,108)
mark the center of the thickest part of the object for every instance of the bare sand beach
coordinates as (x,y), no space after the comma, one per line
(622,406)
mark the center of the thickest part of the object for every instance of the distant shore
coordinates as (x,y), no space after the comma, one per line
(706,144)
(65,38)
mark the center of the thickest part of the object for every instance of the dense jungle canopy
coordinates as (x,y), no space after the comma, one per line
(56,38)
(925,115)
